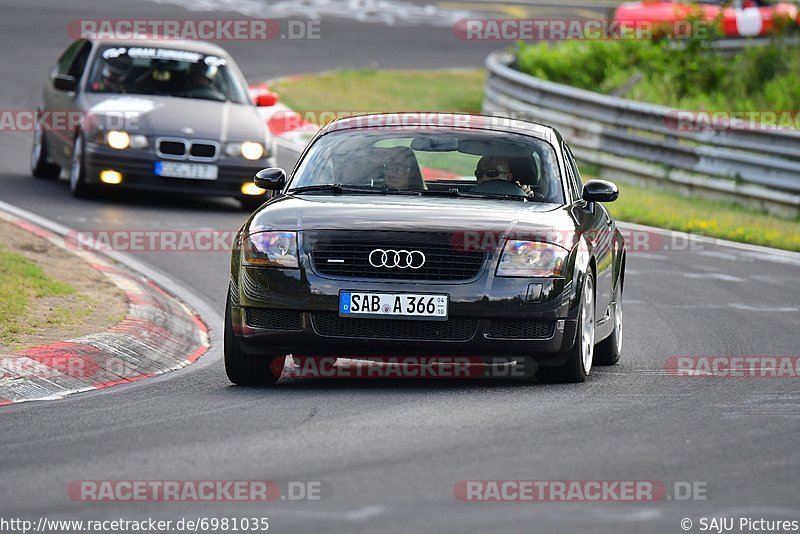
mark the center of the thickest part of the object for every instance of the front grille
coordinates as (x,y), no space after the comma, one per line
(184,149)
(203,150)
(520,329)
(454,329)
(351,260)
(172,148)
(274,319)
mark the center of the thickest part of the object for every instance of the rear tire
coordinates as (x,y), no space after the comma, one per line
(580,356)
(40,167)
(246,369)
(609,350)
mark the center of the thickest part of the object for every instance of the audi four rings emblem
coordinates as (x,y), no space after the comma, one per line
(403,259)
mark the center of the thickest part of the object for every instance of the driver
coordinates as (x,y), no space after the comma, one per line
(112,75)
(201,80)
(492,168)
(496,168)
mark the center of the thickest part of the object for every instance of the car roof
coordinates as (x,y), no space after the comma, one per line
(445,120)
(202,47)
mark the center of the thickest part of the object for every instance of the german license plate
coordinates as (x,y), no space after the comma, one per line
(197,171)
(427,306)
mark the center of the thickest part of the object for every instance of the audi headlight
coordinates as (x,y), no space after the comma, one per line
(247,150)
(531,258)
(122,140)
(271,249)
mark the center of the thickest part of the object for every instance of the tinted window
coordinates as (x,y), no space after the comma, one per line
(166,72)
(418,159)
(79,63)
(65,61)
(576,184)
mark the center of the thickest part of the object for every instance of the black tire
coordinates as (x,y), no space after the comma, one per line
(40,167)
(77,172)
(608,351)
(575,368)
(246,369)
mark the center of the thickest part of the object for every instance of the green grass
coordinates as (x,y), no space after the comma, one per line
(374,91)
(462,91)
(706,217)
(21,281)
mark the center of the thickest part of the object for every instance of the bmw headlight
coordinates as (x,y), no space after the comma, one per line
(532,258)
(121,140)
(270,249)
(247,150)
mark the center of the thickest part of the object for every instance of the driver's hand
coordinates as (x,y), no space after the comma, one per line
(527,189)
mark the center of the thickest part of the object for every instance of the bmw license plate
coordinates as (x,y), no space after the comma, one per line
(427,306)
(197,171)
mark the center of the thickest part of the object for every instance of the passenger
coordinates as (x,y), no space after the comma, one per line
(401,170)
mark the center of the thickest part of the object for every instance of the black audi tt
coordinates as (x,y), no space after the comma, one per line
(428,235)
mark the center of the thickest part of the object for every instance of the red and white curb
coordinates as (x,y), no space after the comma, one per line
(158,334)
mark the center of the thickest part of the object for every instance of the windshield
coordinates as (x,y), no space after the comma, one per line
(164,72)
(427,161)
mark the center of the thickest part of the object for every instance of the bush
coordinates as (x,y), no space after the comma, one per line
(687,73)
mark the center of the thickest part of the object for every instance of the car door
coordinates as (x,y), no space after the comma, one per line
(72,63)
(598,226)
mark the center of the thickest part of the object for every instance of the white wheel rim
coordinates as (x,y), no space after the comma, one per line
(587,324)
(618,323)
(36,151)
(75,169)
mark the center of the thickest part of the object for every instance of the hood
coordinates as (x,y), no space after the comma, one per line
(311,212)
(171,116)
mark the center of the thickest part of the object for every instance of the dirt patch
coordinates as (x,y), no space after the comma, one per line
(96,303)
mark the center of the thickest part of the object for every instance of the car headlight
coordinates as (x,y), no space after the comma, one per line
(532,258)
(122,140)
(118,139)
(271,249)
(248,150)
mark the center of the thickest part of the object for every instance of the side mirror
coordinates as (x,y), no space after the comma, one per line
(600,191)
(266,99)
(273,178)
(64,82)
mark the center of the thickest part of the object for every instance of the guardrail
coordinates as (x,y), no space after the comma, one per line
(639,141)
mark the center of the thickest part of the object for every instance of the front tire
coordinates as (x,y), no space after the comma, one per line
(40,167)
(609,350)
(581,355)
(245,369)
(77,171)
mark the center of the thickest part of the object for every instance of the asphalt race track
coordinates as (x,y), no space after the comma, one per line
(391,450)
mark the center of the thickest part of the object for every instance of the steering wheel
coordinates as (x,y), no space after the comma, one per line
(205,93)
(501,187)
